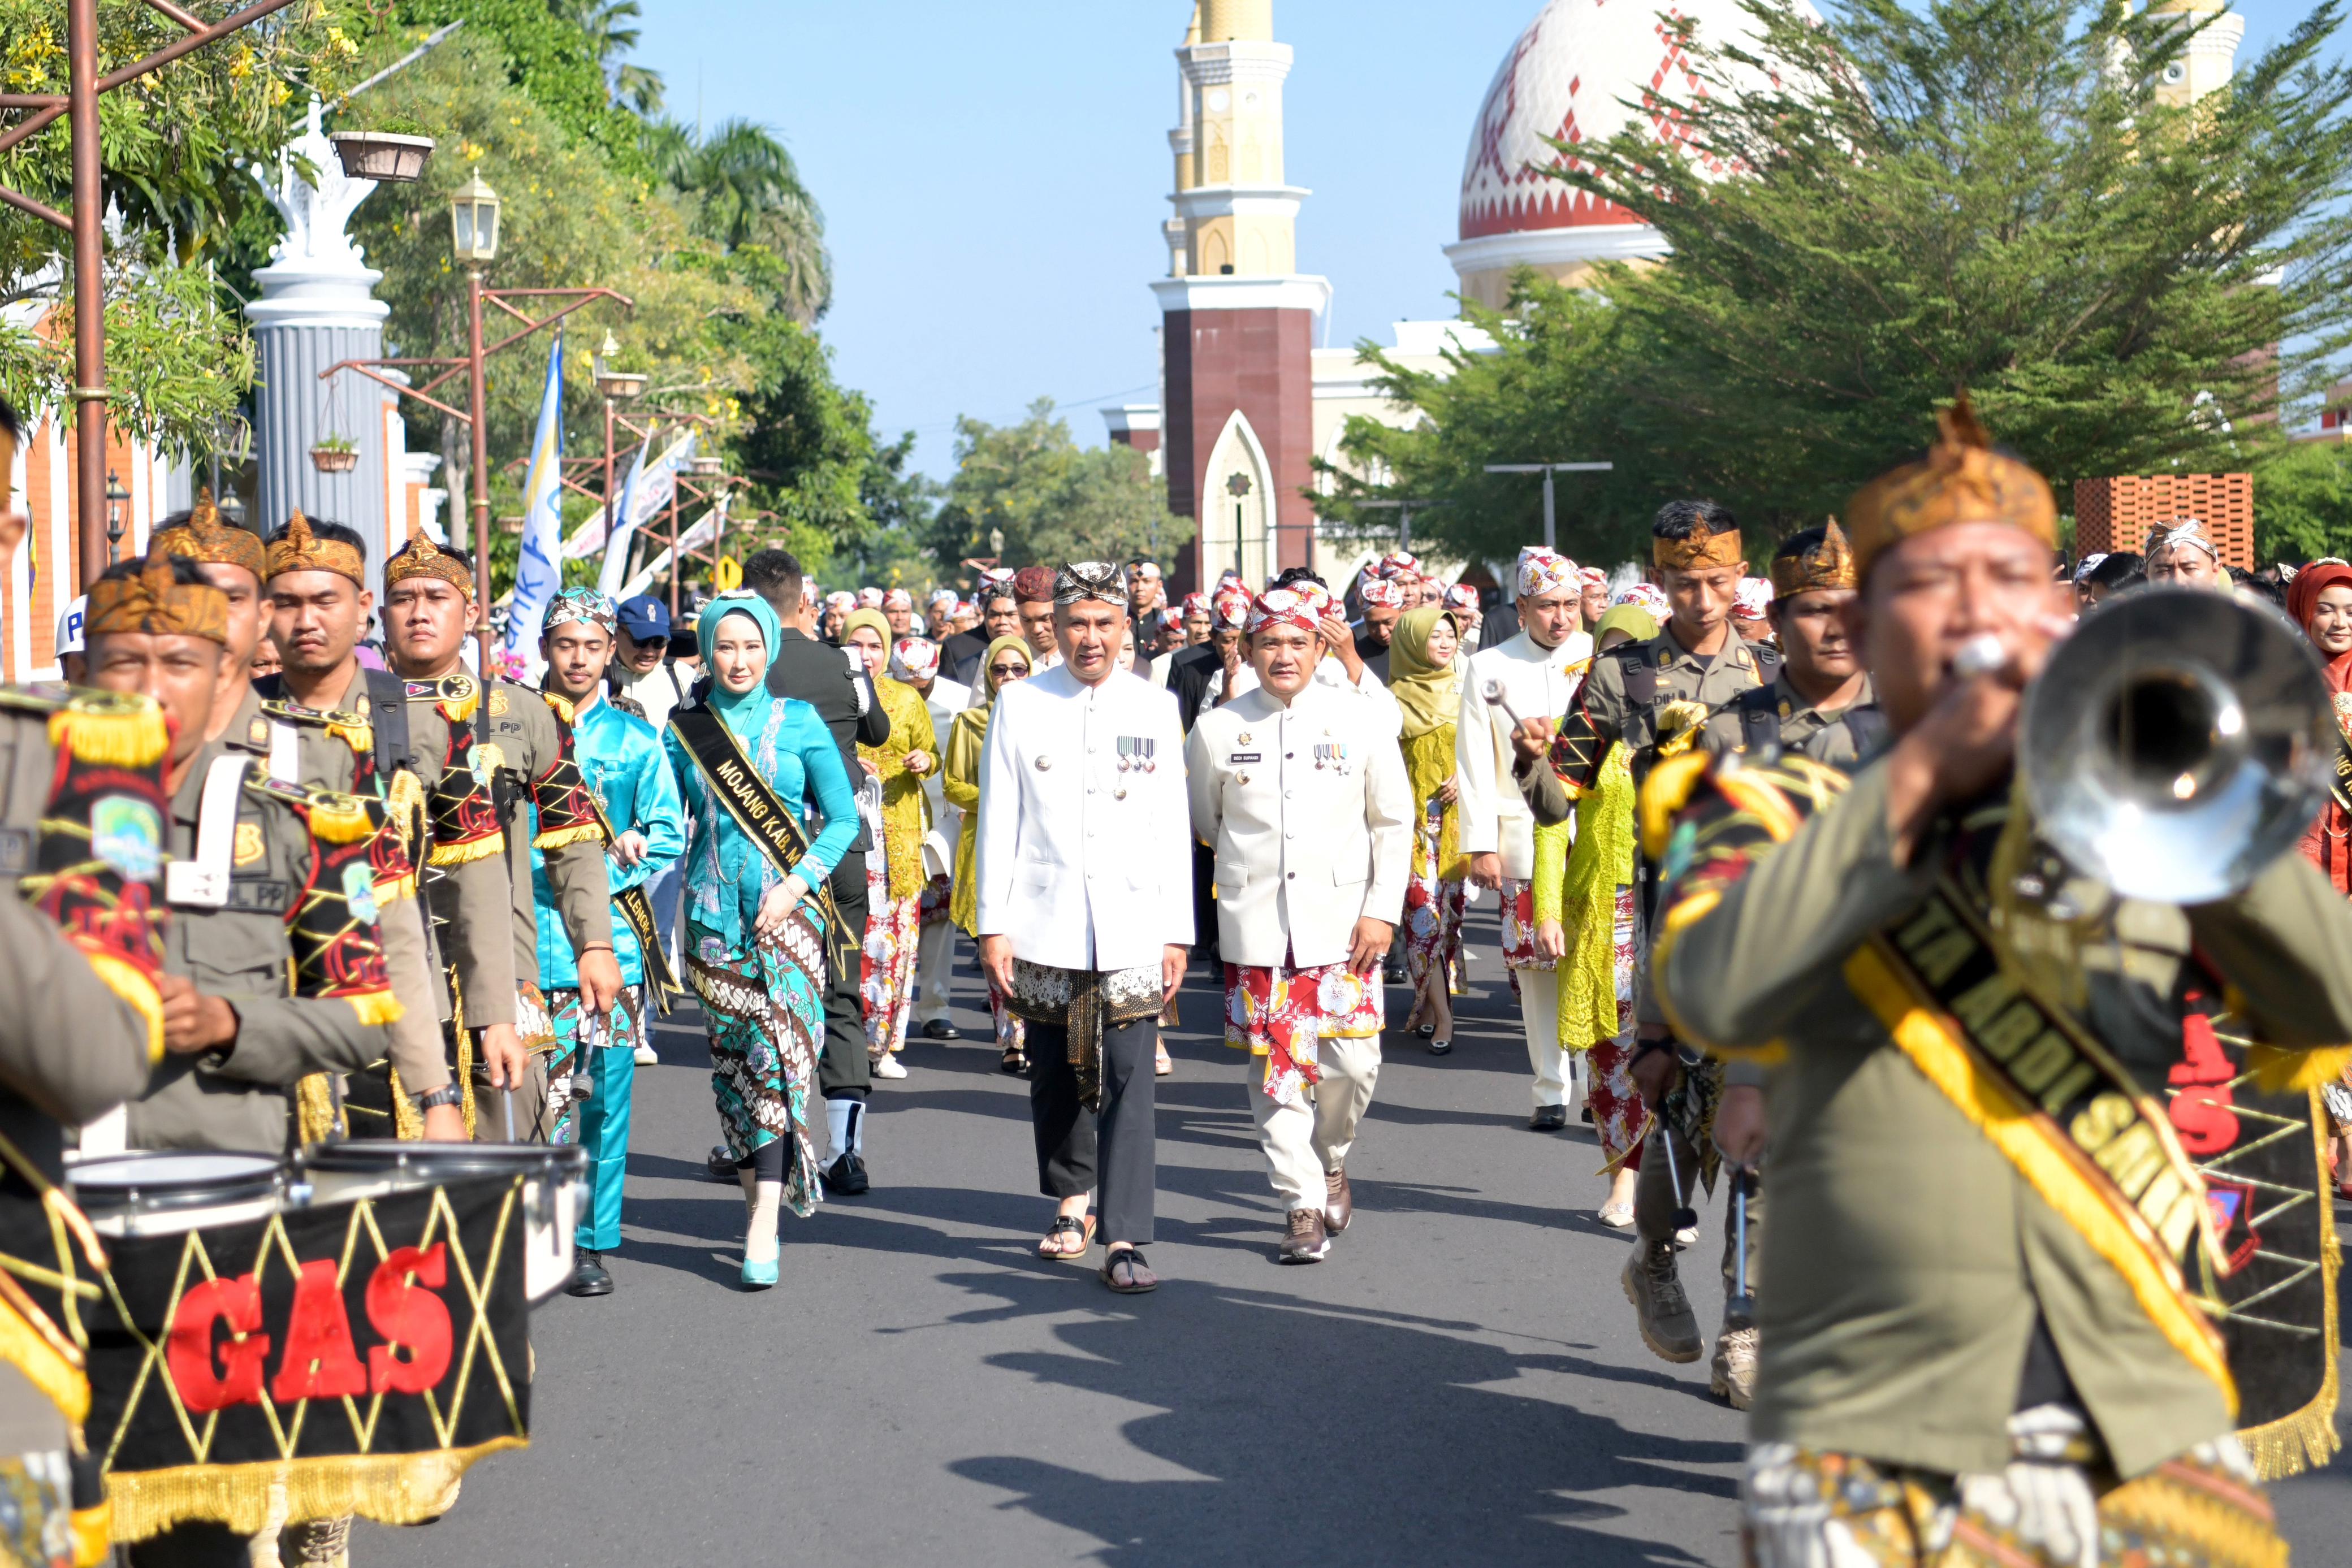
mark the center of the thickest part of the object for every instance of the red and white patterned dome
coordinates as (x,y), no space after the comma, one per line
(1570,77)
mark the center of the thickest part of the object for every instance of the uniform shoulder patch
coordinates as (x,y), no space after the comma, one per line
(560,705)
(335,817)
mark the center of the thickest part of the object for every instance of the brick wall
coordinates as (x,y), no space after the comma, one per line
(2116,514)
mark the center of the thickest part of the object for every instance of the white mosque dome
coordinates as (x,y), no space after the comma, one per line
(1579,73)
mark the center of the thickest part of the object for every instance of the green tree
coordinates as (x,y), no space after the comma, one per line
(610,27)
(2302,502)
(173,141)
(1052,500)
(745,193)
(1867,215)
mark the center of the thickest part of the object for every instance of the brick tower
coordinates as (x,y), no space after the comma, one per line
(1238,318)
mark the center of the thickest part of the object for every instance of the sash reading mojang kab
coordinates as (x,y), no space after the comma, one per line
(756,811)
(2054,1101)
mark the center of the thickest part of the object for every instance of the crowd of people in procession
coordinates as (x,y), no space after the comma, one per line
(1694,793)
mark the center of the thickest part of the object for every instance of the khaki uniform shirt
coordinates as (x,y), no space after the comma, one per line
(535,747)
(1907,1260)
(1610,708)
(326,754)
(70,1048)
(1835,736)
(467,898)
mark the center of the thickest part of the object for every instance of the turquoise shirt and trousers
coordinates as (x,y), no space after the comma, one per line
(622,760)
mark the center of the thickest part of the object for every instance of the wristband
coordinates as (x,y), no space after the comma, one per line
(447,1094)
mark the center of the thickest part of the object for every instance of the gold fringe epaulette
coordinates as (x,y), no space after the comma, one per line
(1668,788)
(114,729)
(353,729)
(489,845)
(314,1110)
(2278,1072)
(46,1365)
(561,705)
(334,817)
(391,1488)
(134,986)
(376,1007)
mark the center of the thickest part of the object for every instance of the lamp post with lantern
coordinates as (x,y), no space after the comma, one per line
(474,243)
(115,498)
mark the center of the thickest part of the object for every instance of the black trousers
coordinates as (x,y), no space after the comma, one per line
(1109,1150)
(843,1070)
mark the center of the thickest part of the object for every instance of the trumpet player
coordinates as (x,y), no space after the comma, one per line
(1976,1342)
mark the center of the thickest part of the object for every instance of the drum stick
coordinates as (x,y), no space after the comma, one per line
(506,1107)
(1685,1218)
(1493,693)
(1742,1303)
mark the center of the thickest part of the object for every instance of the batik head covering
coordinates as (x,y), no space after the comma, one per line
(1381,592)
(153,600)
(942,596)
(1230,608)
(1962,480)
(1316,597)
(1543,572)
(745,714)
(582,604)
(205,537)
(869,598)
(898,599)
(1461,596)
(1034,585)
(1398,563)
(1195,605)
(1752,599)
(419,558)
(1592,577)
(1648,596)
(2090,563)
(2183,531)
(1283,607)
(840,602)
(1703,545)
(996,579)
(297,549)
(1428,694)
(1095,580)
(1805,563)
(915,660)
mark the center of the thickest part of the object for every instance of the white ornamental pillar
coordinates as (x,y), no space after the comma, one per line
(317,309)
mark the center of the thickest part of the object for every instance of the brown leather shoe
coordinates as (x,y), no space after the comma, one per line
(1307,1240)
(1339,1203)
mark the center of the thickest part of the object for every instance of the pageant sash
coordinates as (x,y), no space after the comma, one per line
(637,907)
(2053,1100)
(769,823)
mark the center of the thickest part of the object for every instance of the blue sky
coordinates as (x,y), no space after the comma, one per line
(993,177)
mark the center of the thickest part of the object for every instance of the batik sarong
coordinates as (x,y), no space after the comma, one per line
(887,974)
(1434,908)
(936,895)
(1520,932)
(624,1028)
(764,1009)
(1084,1002)
(1282,1014)
(1012,1034)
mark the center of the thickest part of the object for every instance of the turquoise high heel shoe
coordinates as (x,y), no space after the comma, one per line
(759,1276)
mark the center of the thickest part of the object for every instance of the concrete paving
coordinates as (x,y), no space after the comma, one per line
(1459,1381)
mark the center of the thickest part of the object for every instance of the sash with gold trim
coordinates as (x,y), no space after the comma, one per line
(636,906)
(769,823)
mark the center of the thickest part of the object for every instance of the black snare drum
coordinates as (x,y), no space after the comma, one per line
(170,1192)
(554,1178)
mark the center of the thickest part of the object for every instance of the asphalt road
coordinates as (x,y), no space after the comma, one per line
(1459,1382)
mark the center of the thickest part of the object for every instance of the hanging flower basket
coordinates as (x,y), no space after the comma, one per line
(383,155)
(334,455)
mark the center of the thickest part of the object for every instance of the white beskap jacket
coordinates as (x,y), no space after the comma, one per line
(1311,818)
(1540,683)
(1085,863)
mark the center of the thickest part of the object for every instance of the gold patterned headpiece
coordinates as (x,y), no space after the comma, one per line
(297,549)
(205,537)
(1962,480)
(1826,562)
(153,600)
(1705,547)
(419,558)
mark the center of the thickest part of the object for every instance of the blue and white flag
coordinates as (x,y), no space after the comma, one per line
(538,574)
(650,486)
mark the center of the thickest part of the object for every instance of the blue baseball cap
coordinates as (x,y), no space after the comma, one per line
(645,618)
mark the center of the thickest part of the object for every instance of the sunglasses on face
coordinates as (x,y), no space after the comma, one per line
(1008,672)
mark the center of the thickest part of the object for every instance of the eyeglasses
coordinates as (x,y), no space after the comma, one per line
(1008,672)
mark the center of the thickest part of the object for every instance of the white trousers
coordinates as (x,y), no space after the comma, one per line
(1539,1016)
(1303,1141)
(934,955)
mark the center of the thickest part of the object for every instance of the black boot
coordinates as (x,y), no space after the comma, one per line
(588,1275)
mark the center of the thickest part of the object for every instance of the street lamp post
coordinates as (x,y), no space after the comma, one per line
(1551,533)
(474,237)
(616,385)
(115,496)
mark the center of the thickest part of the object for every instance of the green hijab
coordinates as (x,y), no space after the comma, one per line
(1631,619)
(1430,695)
(744,713)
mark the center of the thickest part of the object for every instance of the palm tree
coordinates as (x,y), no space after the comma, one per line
(746,190)
(609,25)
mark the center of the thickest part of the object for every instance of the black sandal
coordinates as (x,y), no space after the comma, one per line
(1051,1249)
(1015,1062)
(1139,1277)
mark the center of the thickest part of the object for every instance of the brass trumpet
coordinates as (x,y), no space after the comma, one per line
(2177,743)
